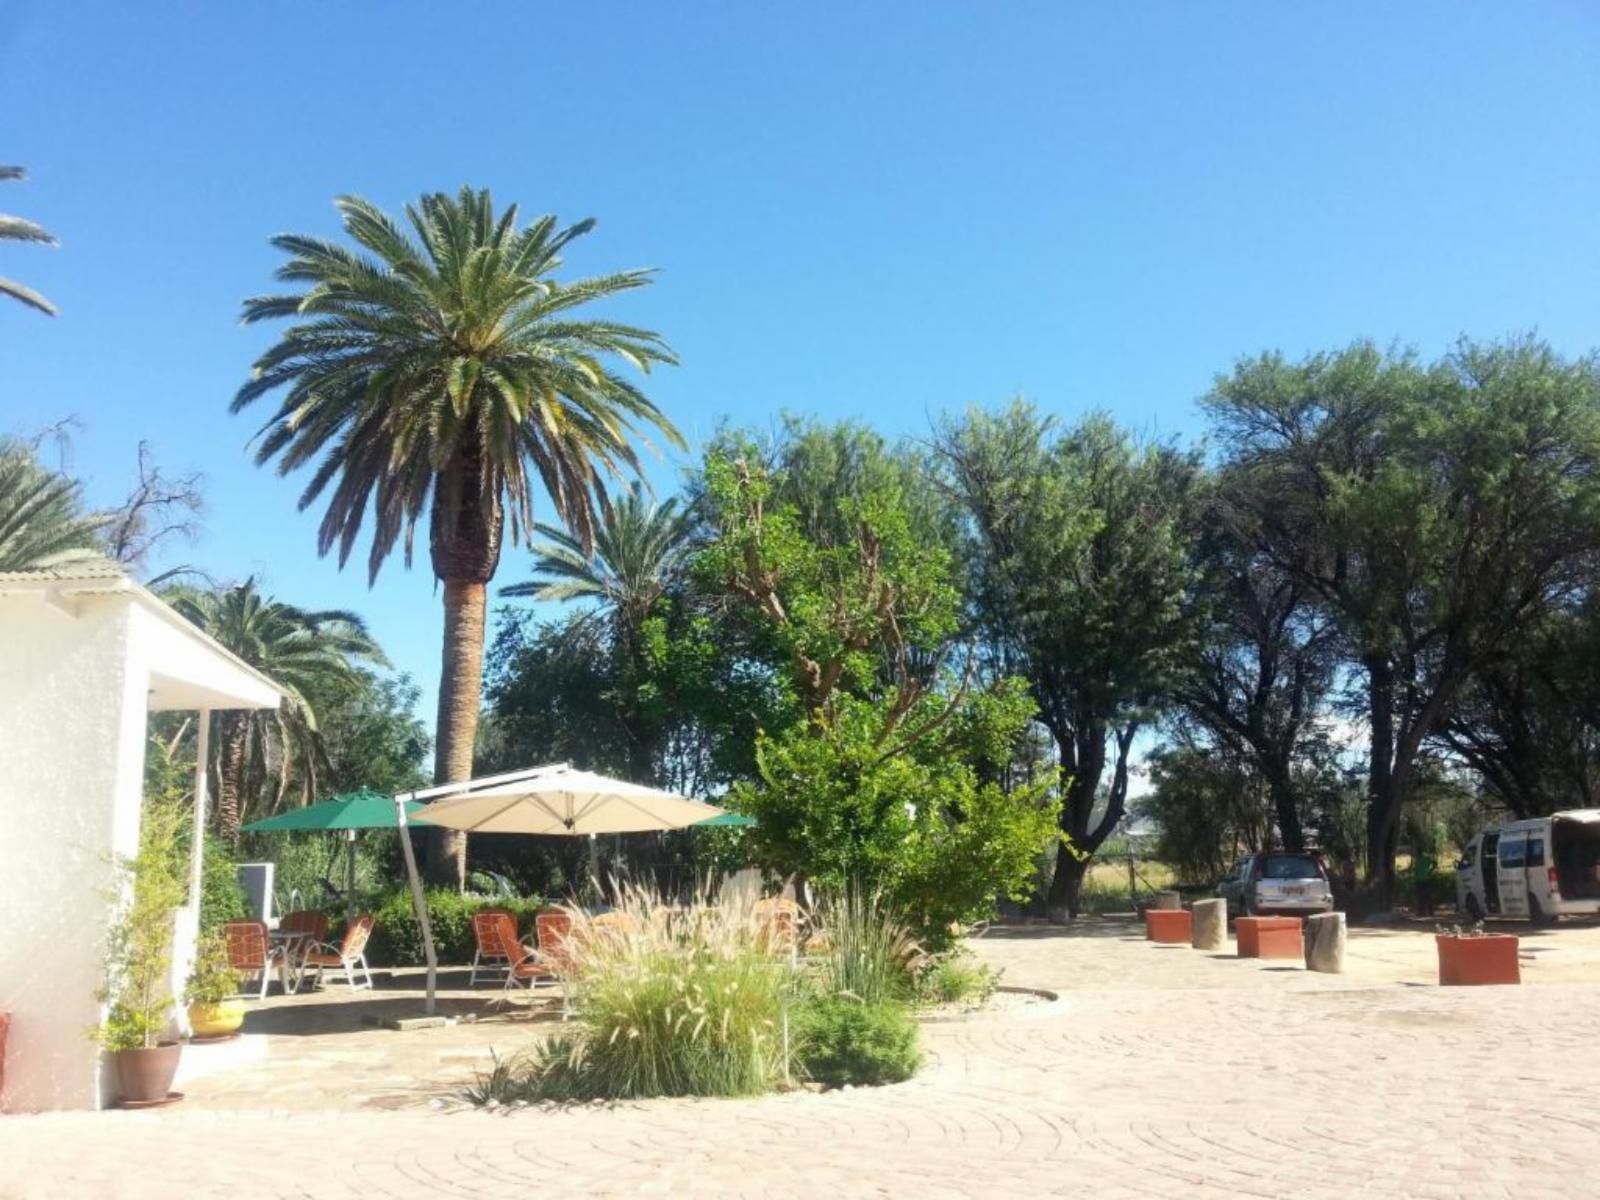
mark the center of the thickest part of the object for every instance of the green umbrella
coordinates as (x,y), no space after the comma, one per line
(353,810)
(728,818)
(349,812)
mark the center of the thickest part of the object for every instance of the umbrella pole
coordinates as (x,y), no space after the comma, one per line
(417,900)
(350,877)
(594,870)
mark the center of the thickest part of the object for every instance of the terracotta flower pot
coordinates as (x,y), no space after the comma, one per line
(146,1075)
(216,1020)
(1467,961)
(1168,926)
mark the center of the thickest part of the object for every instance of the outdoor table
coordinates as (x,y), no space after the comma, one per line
(295,943)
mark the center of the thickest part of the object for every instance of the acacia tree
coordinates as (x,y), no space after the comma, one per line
(1081,575)
(1263,669)
(441,374)
(1433,510)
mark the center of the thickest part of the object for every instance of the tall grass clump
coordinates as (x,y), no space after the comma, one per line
(669,1003)
(861,949)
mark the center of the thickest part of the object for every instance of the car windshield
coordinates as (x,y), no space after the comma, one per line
(1290,866)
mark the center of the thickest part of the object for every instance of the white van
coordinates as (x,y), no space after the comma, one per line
(1539,869)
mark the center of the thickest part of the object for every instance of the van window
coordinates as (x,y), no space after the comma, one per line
(1535,855)
(1512,851)
(1291,866)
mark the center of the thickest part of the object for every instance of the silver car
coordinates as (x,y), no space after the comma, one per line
(1276,881)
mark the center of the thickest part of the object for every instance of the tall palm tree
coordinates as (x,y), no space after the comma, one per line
(15,229)
(441,372)
(639,551)
(308,654)
(41,521)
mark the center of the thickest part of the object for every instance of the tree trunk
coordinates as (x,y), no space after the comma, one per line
(1084,754)
(1380,777)
(1290,832)
(464,539)
(230,775)
(460,682)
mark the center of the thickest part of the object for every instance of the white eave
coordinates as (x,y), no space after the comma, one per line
(189,669)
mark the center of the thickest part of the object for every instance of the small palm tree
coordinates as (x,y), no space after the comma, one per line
(41,521)
(639,551)
(307,654)
(440,374)
(15,229)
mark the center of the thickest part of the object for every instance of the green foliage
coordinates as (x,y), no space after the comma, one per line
(148,891)
(370,733)
(492,391)
(668,1003)
(844,1042)
(917,824)
(1206,809)
(397,936)
(860,948)
(956,978)
(221,897)
(211,979)
(42,522)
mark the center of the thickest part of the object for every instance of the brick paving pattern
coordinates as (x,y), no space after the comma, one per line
(1162,1072)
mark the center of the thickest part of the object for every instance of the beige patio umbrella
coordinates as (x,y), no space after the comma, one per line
(554,800)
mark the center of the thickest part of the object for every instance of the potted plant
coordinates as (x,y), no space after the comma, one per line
(139,961)
(215,1011)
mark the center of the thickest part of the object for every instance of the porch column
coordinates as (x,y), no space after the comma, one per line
(197,848)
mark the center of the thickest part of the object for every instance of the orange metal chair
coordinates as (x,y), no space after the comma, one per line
(493,954)
(251,952)
(349,954)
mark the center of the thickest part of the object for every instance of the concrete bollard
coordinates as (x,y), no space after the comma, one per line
(1325,937)
(1168,900)
(1210,925)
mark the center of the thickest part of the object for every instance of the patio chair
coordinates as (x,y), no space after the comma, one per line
(312,926)
(552,928)
(349,954)
(548,962)
(493,955)
(777,920)
(251,952)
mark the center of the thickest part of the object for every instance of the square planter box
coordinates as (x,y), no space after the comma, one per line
(1269,937)
(1169,926)
(1465,961)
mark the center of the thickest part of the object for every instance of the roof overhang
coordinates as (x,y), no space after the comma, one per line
(188,668)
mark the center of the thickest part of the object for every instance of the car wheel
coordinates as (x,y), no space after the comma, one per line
(1474,909)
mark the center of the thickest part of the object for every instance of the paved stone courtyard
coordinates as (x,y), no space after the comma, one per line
(1161,1072)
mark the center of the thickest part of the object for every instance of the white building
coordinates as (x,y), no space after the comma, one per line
(85,655)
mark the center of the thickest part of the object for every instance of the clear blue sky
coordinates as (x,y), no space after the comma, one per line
(877,210)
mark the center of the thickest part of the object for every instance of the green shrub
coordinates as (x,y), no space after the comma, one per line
(221,897)
(842,1041)
(955,979)
(397,937)
(667,1004)
(859,947)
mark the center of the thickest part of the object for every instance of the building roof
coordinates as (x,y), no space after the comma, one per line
(66,585)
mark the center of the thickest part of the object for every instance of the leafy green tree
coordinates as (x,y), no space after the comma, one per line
(16,229)
(306,653)
(369,732)
(42,522)
(1081,576)
(1433,510)
(828,558)
(1207,807)
(443,374)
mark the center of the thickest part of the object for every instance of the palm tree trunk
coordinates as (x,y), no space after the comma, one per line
(230,775)
(460,682)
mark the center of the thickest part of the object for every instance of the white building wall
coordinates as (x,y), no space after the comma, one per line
(72,734)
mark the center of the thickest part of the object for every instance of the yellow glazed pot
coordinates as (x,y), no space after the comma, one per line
(216,1020)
